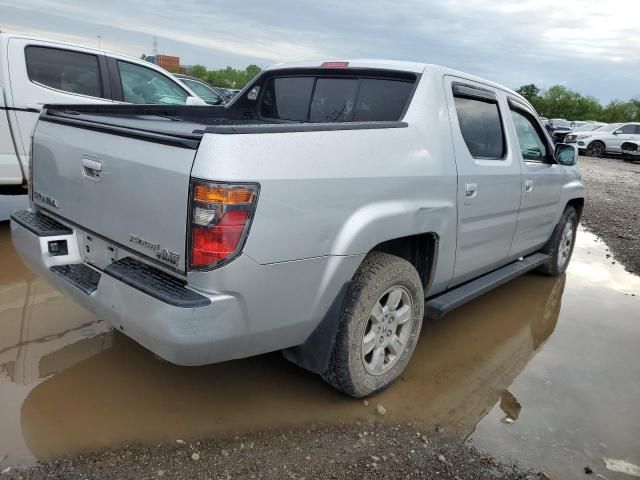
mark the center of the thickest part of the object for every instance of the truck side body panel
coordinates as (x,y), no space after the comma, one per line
(327,197)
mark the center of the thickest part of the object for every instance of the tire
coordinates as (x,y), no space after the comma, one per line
(353,368)
(596,149)
(560,247)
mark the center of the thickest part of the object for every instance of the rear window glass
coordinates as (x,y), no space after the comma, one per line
(325,99)
(481,127)
(334,100)
(288,98)
(382,99)
(73,72)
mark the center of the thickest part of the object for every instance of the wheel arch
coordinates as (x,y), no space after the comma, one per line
(314,354)
(420,250)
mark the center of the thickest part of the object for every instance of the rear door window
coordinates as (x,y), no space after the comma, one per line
(66,70)
(481,127)
(330,99)
(142,85)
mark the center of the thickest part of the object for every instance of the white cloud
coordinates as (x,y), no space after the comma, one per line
(510,41)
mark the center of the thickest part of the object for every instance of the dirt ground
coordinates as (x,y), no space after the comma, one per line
(612,206)
(355,451)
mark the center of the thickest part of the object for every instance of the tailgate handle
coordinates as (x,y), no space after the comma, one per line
(92,169)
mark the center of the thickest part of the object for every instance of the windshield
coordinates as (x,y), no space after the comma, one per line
(205,92)
(560,122)
(609,128)
(589,127)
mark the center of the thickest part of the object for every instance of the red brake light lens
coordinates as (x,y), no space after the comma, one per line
(335,64)
(220,219)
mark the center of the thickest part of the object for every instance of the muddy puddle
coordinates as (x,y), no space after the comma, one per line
(541,370)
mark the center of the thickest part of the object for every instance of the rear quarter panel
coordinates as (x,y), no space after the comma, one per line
(339,193)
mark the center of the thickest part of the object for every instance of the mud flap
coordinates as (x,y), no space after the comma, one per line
(314,354)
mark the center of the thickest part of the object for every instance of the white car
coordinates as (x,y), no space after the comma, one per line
(35,72)
(607,139)
(572,136)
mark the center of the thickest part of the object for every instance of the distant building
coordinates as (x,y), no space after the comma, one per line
(168,62)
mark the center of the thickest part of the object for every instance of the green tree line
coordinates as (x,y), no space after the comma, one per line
(226,77)
(561,102)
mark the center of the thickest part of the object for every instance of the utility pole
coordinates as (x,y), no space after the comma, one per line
(155,46)
(99,40)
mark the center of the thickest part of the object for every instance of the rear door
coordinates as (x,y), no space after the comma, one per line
(47,73)
(542,180)
(489,177)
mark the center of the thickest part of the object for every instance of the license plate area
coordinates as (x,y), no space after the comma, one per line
(97,252)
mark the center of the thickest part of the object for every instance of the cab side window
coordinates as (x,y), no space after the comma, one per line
(481,127)
(628,129)
(532,145)
(143,85)
(66,70)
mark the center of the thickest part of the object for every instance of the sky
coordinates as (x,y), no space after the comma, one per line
(589,46)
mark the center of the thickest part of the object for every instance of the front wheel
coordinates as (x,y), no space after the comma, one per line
(379,327)
(560,245)
(596,149)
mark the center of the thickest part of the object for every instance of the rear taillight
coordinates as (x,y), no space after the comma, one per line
(221,214)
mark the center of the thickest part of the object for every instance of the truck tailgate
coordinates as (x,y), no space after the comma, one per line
(127,189)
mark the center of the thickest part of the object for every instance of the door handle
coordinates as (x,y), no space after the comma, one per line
(528,186)
(92,169)
(470,190)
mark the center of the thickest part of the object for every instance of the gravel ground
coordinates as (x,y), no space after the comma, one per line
(358,451)
(612,206)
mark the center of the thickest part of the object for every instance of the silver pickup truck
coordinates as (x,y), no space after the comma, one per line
(323,213)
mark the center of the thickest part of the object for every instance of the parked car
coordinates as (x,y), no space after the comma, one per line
(631,151)
(608,139)
(34,72)
(209,94)
(227,92)
(572,137)
(310,215)
(558,128)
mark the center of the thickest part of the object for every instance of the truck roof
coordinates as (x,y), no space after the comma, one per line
(383,64)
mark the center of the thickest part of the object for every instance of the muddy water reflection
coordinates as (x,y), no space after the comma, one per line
(68,384)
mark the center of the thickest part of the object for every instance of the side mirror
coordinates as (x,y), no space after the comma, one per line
(566,154)
(617,132)
(194,101)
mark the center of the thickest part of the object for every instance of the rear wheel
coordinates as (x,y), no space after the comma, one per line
(560,245)
(596,149)
(379,327)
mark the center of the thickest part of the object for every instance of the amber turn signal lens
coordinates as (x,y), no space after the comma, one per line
(222,194)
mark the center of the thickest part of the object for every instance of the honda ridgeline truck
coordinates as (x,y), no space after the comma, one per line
(323,213)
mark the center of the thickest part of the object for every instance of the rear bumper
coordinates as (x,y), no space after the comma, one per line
(248,308)
(185,336)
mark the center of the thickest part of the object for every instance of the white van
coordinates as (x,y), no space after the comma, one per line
(35,72)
